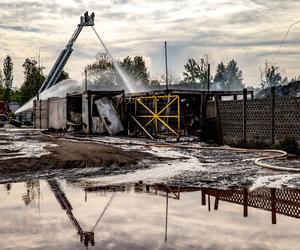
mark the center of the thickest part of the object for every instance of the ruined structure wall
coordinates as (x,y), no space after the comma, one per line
(57,111)
(40,114)
(85,113)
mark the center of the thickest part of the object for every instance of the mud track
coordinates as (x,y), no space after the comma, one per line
(68,155)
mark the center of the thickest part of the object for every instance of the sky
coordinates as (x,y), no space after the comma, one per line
(249,31)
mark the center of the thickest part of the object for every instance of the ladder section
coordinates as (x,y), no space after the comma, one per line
(85,20)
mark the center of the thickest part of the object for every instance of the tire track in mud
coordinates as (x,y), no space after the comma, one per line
(62,159)
(199,167)
(108,160)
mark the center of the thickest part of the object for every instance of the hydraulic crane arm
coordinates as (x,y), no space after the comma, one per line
(65,204)
(86,20)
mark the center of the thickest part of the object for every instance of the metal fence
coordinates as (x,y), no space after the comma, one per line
(281,201)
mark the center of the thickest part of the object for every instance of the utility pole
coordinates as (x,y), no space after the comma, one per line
(85,80)
(208,76)
(39,75)
(166,60)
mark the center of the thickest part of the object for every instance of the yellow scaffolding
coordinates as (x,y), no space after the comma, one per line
(159,118)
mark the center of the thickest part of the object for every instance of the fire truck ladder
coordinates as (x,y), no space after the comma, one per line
(85,20)
(86,237)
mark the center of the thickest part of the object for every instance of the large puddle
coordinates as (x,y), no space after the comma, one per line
(59,214)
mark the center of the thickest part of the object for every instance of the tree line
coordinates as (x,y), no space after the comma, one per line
(33,79)
(228,76)
(195,73)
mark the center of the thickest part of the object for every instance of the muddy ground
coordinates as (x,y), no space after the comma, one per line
(96,161)
(29,153)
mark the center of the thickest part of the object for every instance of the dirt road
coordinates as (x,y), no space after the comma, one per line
(26,151)
(28,154)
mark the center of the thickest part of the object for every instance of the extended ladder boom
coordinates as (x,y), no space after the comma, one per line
(64,203)
(64,55)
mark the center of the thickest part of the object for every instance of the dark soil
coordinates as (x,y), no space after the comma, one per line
(70,155)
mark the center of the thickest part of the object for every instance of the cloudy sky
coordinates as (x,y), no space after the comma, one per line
(249,31)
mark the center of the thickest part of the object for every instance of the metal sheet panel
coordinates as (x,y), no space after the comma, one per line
(98,125)
(109,116)
(85,113)
(41,114)
(57,111)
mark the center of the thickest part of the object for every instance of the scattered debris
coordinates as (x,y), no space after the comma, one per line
(117,160)
(292,90)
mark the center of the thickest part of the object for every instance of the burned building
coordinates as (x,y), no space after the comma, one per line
(93,112)
(178,112)
(155,114)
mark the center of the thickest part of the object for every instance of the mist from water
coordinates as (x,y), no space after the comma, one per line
(59,90)
(69,86)
(129,84)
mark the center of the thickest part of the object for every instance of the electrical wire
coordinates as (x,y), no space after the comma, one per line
(283,40)
(103,212)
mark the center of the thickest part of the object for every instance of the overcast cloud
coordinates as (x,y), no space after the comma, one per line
(248,31)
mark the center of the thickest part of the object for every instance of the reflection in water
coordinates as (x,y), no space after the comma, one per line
(176,207)
(32,192)
(282,201)
(86,237)
(7,187)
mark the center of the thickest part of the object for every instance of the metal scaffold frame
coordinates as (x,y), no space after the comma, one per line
(159,117)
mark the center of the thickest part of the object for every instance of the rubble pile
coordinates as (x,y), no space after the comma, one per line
(292,90)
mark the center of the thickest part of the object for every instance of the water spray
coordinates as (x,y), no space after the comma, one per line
(119,70)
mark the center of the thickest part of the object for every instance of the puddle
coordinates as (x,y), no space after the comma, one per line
(17,143)
(191,164)
(194,207)
(60,214)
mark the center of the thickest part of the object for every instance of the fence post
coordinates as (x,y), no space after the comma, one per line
(203,198)
(89,112)
(203,112)
(273,205)
(272,114)
(40,101)
(33,114)
(218,118)
(245,202)
(244,113)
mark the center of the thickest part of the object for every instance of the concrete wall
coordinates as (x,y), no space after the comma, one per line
(262,121)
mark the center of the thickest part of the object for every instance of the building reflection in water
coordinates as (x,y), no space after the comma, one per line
(281,201)
(7,187)
(33,193)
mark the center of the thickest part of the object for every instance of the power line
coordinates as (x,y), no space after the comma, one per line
(161,53)
(283,40)
(103,212)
